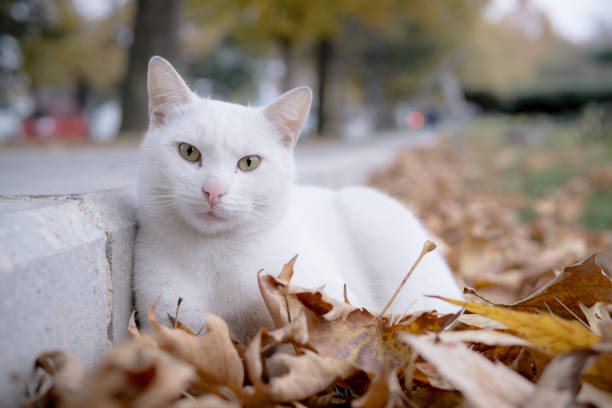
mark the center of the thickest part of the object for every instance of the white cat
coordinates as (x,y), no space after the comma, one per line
(217,203)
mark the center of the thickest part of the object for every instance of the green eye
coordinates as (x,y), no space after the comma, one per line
(189,152)
(248,163)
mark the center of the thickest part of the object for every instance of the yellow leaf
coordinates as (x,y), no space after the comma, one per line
(544,330)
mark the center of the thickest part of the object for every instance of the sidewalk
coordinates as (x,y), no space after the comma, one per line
(67,228)
(37,171)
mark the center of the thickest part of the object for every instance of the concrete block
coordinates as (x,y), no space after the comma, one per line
(65,267)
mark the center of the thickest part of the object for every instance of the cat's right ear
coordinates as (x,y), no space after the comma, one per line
(289,112)
(166,89)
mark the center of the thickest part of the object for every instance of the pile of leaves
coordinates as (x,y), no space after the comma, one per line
(552,349)
(472,197)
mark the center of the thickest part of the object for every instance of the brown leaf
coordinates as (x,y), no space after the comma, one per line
(177,324)
(342,331)
(600,373)
(588,282)
(558,385)
(287,271)
(65,373)
(591,395)
(137,374)
(384,392)
(207,401)
(212,354)
(598,316)
(132,328)
(65,368)
(489,337)
(483,383)
(295,332)
(308,373)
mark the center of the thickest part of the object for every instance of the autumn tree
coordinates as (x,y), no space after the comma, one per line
(156,32)
(326,31)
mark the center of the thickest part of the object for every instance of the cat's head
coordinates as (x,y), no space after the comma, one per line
(216,166)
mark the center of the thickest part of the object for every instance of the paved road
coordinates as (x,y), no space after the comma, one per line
(38,170)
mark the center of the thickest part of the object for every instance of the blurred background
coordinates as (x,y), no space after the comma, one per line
(76,69)
(519,93)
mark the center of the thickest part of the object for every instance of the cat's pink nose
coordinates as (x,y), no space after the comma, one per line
(213,192)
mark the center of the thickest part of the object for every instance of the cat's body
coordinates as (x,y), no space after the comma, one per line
(208,226)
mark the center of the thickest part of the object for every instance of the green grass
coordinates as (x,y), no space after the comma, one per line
(597,212)
(547,179)
(540,166)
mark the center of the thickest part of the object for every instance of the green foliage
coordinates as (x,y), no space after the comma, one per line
(564,99)
(230,70)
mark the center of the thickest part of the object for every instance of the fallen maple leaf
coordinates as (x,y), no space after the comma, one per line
(483,383)
(600,373)
(559,384)
(212,354)
(138,374)
(543,330)
(384,391)
(66,373)
(588,282)
(308,373)
(342,331)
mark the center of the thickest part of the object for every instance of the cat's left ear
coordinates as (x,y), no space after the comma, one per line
(166,89)
(289,112)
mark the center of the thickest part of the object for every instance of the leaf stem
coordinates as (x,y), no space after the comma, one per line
(428,246)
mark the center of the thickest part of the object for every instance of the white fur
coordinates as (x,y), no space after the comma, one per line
(356,235)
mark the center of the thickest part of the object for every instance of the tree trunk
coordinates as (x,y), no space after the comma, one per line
(156,32)
(286,51)
(324,54)
(377,100)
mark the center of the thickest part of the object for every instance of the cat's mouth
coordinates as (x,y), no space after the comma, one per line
(211,215)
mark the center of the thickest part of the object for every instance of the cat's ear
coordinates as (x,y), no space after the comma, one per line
(166,89)
(289,112)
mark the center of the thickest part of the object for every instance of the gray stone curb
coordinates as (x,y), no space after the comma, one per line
(65,265)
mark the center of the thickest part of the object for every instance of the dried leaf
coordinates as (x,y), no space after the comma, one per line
(489,337)
(588,282)
(483,383)
(428,373)
(596,316)
(287,271)
(544,330)
(212,354)
(132,327)
(481,321)
(207,401)
(600,373)
(384,391)
(65,369)
(333,324)
(559,383)
(592,395)
(177,324)
(137,374)
(64,373)
(295,332)
(308,374)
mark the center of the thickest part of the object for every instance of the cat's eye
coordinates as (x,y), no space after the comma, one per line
(189,152)
(248,163)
